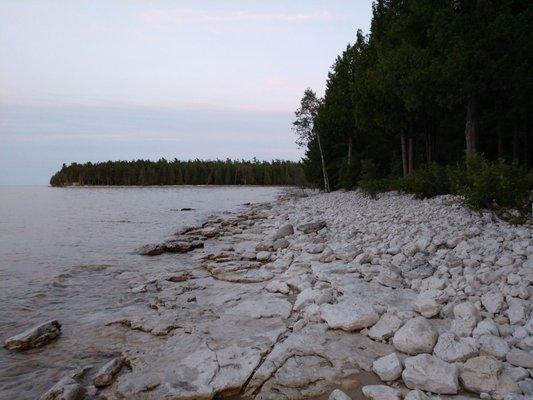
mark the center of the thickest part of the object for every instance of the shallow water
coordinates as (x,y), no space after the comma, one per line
(61,250)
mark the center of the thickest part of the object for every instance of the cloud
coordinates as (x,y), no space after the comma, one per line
(181,16)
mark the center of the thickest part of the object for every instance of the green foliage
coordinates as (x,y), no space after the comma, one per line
(493,185)
(197,172)
(370,181)
(427,182)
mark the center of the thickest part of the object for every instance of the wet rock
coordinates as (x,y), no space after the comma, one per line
(388,368)
(520,358)
(381,392)
(338,395)
(151,250)
(348,316)
(106,374)
(429,373)
(66,389)
(284,231)
(450,348)
(312,227)
(415,337)
(178,246)
(209,232)
(480,374)
(34,337)
(387,325)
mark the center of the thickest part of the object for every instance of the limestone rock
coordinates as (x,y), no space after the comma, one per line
(426,307)
(66,389)
(493,346)
(381,392)
(263,256)
(34,337)
(480,374)
(466,317)
(151,250)
(312,227)
(284,231)
(338,395)
(387,325)
(493,302)
(417,269)
(520,358)
(348,316)
(416,395)
(415,337)
(429,373)
(388,368)
(106,374)
(450,348)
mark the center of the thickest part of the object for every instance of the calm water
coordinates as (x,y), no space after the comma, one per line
(60,251)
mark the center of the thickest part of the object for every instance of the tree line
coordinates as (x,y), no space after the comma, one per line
(176,172)
(432,82)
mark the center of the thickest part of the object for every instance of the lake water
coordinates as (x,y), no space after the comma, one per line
(60,251)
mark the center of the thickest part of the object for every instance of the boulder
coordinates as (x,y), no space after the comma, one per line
(520,358)
(209,232)
(106,374)
(151,250)
(178,246)
(312,227)
(263,256)
(480,374)
(266,245)
(34,337)
(387,325)
(66,389)
(381,392)
(450,348)
(429,373)
(415,337)
(388,368)
(427,307)
(348,316)
(390,276)
(280,244)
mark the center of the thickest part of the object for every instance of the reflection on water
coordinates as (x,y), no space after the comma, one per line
(61,250)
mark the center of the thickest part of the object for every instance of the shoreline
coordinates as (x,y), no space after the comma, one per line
(265,311)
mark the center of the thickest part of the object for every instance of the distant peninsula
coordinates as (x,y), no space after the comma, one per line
(176,172)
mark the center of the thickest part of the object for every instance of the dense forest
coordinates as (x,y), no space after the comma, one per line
(197,172)
(435,99)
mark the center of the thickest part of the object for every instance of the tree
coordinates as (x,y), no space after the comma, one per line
(304,127)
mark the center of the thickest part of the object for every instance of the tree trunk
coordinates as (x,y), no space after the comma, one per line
(350,152)
(471,125)
(404,155)
(515,145)
(411,161)
(324,172)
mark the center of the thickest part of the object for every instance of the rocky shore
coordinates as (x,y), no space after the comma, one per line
(335,295)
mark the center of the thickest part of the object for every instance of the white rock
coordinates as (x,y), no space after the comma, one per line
(520,358)
(415,337)
(263,256)
(480,374)
(388,368)
(493,302)
(453,349)
(387,325)
(429,373)
(466,317)
(106,374)
(348,316)
(338,395)
(381,392)
(416,395)
(66,389)
(427,307)
(485,327)
(277,287)
(516,313)
(493,346)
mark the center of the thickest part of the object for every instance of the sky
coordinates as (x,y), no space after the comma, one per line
(101,80)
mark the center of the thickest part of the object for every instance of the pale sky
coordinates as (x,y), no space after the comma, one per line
(125,79)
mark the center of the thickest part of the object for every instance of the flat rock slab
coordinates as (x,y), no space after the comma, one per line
(34,337)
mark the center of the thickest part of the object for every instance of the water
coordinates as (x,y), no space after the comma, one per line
(61,250)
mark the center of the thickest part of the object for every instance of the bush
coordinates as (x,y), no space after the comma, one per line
(427,182)
(492,185)
(370,181)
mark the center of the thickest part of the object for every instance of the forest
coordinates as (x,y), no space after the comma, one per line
(196,172)
(435,99)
